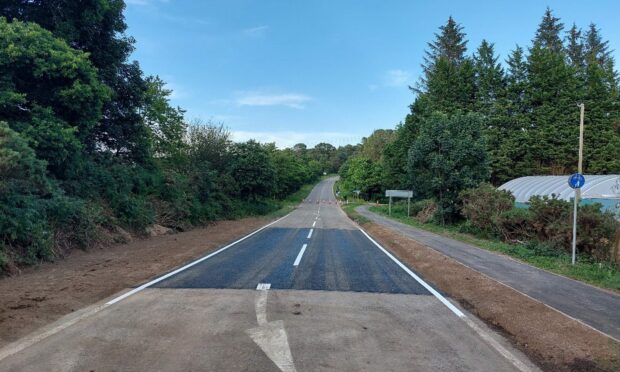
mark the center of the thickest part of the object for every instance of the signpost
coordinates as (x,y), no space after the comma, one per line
(577,180)
(399,194)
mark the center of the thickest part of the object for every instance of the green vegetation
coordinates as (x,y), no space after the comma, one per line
(535,253)
(475,120)
(90,146)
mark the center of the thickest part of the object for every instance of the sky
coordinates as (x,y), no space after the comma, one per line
(322,70)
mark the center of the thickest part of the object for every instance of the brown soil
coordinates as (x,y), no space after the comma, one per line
(550,338)
(43,294)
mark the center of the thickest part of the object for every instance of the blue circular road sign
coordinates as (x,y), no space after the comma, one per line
(576,181)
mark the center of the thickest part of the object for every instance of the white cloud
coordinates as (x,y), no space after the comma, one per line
(397,78)
(255,31)
(292,100)
(289,139)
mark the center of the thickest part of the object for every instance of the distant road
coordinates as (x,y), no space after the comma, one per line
(309,292)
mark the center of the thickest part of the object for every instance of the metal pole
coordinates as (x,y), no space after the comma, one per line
(580,171)
(390,207)
(408,207)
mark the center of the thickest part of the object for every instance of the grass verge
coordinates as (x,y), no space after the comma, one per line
(600,274)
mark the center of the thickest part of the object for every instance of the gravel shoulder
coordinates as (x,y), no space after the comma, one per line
(42,294)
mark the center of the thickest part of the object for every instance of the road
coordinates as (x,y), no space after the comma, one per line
(308,292)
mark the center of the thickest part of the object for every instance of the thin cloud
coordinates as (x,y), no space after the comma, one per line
(397,78)
(292,100)
(255,31)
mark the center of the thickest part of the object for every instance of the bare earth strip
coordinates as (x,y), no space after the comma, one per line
(43,294)
(554,340)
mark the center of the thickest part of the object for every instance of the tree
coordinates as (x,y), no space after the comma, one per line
(49,93)
(448,156)
(361,173)
(98,27)
(166,123)
(324,153)
(602,101)
(552,94)
(252,170)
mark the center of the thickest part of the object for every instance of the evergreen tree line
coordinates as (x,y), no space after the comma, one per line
(90,146)
(476,120)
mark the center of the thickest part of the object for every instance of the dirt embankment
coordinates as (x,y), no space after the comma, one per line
(553,340)
(43,294)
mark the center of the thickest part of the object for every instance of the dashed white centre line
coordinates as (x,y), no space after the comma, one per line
(301,253)
(313,223)
(310,233)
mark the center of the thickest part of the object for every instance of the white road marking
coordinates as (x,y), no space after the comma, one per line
(487,338)
(301,253)
(143,286)
(271,336)
(263,286)
(272,339)
(313,223)
(310,233)
(261,307)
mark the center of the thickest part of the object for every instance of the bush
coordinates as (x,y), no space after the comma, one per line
(483,205)
(515,224)
(426,211)
(551,222)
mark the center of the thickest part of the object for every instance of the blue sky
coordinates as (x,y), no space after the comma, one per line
(320,71)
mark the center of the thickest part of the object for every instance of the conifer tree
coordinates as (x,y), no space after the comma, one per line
(553,95)
(602,101)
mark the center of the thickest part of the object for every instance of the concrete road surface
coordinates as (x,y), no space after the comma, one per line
(309,292)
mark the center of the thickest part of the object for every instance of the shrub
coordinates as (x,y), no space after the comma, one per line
(427,211)
(515,224)
(483,205)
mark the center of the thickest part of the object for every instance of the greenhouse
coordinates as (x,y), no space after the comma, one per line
(597,189)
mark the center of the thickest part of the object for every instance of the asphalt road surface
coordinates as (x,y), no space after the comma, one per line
(309,292)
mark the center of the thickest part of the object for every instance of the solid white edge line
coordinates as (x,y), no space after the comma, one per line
(301,253)
(441,298)
(488,339)
(155,281)
(310,234)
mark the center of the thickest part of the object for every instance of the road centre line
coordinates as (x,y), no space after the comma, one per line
(155,281)
(310,233)
(301,253)
(313,223)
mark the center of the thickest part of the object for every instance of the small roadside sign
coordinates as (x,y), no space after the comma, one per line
(399,193)
(407,194)
(576,181)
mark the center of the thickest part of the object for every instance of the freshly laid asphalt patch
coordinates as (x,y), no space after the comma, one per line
(335,260)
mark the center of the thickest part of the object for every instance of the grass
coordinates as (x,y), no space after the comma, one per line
(601,274)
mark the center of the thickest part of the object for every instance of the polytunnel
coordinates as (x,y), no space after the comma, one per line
(603,189)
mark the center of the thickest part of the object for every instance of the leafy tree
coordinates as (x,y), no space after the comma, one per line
(98,27)
(167,123)
(48,92)
(324,153)
(252,170)
(448,156)
(361,173)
